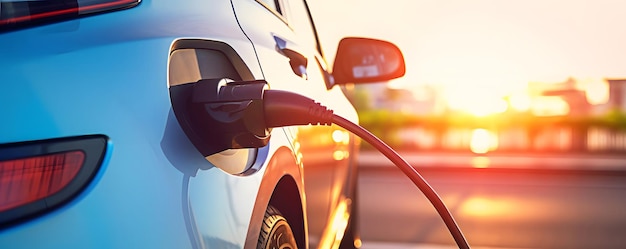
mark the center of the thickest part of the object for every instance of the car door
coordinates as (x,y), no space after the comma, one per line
(290,56)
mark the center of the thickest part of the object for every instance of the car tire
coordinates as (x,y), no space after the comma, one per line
(276,232)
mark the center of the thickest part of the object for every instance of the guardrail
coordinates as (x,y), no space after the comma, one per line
(514,139)
(501,135)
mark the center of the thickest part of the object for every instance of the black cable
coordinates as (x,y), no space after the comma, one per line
(284,108)
(409,171)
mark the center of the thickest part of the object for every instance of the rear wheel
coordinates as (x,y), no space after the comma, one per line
(276,232)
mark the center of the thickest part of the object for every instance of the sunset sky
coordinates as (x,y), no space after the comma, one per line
(487,46)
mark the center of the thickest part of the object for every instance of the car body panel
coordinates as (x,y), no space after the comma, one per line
(325,158)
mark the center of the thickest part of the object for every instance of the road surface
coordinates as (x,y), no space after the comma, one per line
(496,207)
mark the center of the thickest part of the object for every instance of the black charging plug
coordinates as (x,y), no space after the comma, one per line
(220,114)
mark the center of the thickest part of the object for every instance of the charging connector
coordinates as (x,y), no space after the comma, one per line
(220,114)
(284,108)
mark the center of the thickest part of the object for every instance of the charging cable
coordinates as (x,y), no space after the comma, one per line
(284,108)
(219,114)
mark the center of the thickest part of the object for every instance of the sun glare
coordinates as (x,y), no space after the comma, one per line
(483,207)
(549,106)
(520,102)
(477,102)
(483,141)
(597,92)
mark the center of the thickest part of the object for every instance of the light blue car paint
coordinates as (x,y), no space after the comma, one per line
(107,74)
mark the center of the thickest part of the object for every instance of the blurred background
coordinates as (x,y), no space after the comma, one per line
(513,110)
(493,70)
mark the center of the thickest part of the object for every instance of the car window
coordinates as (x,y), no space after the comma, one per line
(271,4)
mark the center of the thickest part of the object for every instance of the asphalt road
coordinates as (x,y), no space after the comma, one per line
(496,207)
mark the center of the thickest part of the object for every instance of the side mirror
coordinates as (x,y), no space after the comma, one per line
(365,60)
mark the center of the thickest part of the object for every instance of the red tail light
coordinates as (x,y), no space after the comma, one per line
(16,13)
(41,175)
(29,179)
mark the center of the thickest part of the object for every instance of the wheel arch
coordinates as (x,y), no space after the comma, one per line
(282,188)
(286,198)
